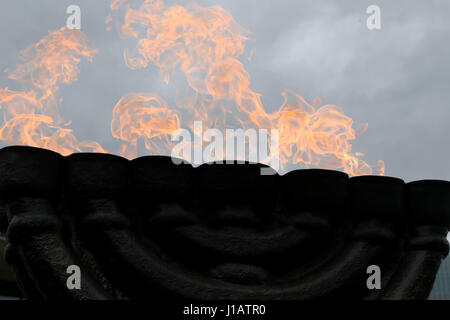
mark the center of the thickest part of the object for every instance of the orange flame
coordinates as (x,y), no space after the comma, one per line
(143,116)
(31,117)
(206,44)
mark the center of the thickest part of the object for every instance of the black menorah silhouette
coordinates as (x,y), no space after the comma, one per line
(148,228)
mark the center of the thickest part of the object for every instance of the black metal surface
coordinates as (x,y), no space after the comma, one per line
(149,228)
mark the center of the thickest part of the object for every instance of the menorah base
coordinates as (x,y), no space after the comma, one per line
(150,229)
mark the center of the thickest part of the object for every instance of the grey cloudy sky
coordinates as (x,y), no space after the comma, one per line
(396,79)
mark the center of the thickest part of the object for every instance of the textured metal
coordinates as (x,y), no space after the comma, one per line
(149,228)
(8,286)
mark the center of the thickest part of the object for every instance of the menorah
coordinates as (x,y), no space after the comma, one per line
(148,228)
